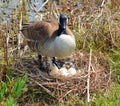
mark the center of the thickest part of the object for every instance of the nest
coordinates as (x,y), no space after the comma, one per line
(60,87)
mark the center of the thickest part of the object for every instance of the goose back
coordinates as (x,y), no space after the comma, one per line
(40,31)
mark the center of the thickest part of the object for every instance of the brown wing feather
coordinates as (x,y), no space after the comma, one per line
(40,31)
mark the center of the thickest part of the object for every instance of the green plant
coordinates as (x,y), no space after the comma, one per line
(111,98)
(115,60)
(10,102)
(18,86)
(3,90)
(11,90)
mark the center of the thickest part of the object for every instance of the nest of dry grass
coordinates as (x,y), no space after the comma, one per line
(59,88)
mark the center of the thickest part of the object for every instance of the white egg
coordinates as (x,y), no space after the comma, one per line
(63,71)
(72,71)
(54,70)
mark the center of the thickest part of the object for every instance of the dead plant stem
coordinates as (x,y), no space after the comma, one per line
(88,79)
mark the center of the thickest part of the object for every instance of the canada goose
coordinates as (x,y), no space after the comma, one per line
(50,38)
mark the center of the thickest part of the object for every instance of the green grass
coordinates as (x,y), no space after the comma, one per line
(3,90)
(111,98)
(11,89)
(10,102)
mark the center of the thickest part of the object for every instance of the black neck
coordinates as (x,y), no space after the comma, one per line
(61,31)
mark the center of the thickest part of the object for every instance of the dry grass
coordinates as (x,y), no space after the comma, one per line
(96,26)
(60,87)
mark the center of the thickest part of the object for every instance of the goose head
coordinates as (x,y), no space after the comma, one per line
(62,24)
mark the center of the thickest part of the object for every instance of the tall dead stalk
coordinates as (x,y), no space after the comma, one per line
(88,79)
(5,49)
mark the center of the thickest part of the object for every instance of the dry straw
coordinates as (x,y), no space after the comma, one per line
(91,77)
(91,23)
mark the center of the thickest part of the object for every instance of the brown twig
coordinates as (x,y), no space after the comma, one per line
(45,89)
(88,79)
